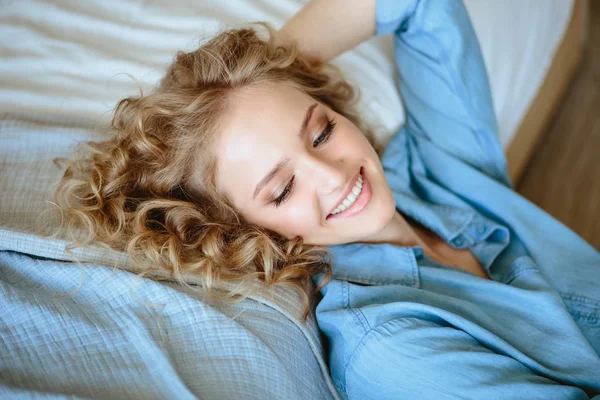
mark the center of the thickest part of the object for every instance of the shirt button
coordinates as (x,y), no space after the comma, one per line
(459,241)
(480,229)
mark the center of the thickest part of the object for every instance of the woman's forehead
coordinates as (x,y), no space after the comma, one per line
(264,114)
(262,127)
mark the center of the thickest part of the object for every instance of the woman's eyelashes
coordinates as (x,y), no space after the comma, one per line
(327,132)
(285,194)
(319,141)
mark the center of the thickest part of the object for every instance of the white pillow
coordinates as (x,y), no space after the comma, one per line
(68,61)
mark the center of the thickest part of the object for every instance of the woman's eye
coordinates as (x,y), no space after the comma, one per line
(324,136)
(285,194)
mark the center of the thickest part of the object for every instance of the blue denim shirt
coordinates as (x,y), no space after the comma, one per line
(400,325)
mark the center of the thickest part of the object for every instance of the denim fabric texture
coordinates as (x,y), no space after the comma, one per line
(400,325)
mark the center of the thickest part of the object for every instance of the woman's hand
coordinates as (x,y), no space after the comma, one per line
(324,29)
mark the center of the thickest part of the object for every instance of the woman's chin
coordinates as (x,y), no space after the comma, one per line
(377,221)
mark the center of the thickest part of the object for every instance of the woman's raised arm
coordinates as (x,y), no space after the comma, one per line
(324,29)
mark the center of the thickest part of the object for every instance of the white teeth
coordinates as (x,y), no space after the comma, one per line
(351,198)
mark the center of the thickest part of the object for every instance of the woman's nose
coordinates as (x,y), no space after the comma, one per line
(327,175)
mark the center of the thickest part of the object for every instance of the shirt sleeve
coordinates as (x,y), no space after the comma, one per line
(413,358)
(443,81)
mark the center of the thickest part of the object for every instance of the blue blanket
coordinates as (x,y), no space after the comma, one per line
(93,331)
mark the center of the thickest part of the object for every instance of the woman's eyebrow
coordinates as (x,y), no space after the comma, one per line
(263,182)
(306,120)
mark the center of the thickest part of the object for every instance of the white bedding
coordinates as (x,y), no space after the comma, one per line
(68,60)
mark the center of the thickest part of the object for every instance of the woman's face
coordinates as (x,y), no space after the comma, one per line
(291,164)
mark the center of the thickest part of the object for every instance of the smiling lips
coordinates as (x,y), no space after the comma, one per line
(351,198)
(357,197)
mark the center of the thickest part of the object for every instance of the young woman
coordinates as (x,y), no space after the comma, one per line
(443,282)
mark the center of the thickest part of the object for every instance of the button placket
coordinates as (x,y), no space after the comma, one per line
(476,231)
(480,228)
(461,241)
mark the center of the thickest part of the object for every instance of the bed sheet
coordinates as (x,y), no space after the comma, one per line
(69,60)
(97,332)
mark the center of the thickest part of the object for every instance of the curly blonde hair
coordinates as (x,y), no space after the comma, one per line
(132,192)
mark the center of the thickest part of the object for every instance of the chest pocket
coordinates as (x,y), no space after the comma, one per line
(586,313)
(583,309)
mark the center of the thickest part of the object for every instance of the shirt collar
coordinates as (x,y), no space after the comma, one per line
(383,263)
(406,176)
(375,264)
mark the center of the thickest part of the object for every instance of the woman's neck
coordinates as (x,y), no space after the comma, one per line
(398,231)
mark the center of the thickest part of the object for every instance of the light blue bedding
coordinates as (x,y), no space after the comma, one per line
(102,341)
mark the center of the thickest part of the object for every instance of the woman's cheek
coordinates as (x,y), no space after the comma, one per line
(299,219)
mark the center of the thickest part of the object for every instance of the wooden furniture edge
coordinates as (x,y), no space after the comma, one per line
(565,63)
